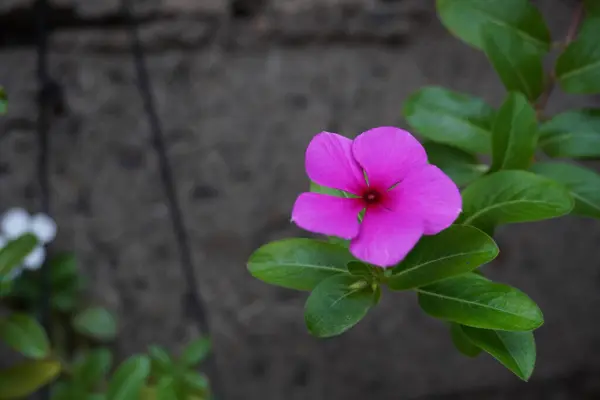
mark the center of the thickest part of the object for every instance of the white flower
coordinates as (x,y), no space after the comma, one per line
(17,222)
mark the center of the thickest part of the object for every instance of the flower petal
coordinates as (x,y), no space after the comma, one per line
(35,259)
(15,222)
(387,154)
(328,215)
(329,162)
(430,194)
(386,236)
(43,227)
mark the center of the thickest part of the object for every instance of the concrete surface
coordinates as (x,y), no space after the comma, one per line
(241,89)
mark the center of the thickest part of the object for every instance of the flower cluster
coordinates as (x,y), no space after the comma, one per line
(17,222)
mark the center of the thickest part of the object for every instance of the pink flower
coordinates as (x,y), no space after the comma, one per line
(386,169)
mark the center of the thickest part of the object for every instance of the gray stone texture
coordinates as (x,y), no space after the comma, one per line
(239,99)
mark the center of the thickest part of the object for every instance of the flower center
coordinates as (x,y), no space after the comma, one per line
(371,196)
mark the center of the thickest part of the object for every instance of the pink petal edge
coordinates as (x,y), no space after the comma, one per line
(329,162)
(387,154)
(328,215)
(386,237)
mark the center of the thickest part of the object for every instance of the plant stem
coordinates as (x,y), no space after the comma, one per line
(541,103)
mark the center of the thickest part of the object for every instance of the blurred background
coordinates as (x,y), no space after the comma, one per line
(241,87)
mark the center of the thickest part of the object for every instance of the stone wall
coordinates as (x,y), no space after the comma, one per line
(241,87)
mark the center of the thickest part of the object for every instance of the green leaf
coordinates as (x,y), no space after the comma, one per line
(592,7)
(63,269)
(466,18)
(460,166)
(337,304)
(298,263)
(195,352)
(93,367)
(518,65)
(165,389)
(128,380)
(457,250)
(12,255)
(508,197)
(462,342)
(26,378)
(3,101)
(514,350)
(360,269)
(97,323)
(473,300)
(330,191)
(195,382)
(24,334)
(452,118)
(578,67)
(162,363)
(514,136)
(573,134)
(583,184)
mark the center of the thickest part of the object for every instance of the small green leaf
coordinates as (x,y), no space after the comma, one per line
(578,67)
(514,350)
(3,101)
(195,352)
(165,389)
(97,323)
(195,382)
(517,63)
(63,269)
(457,250)
(24,334)
(473,300)
(460,166)
(12,255)
(508,197)
(452,118)
(337,304)
(92,367)
(298,263)
(26,378)
(360,269)
(330,191)
(129,379)
(583,184)
(462,342)
(466,18)
(514,136)
(162,363)
(574,134)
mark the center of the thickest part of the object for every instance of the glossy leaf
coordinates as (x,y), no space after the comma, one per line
(578,67)
(12,255)
(513,196)
(3,101)
(518,65)
(195,352)
(473,300)
(457,250)
(165,389)
(96,322)
(92,367)
(24,334)
(460,166)
(161,361)
(462,342)
(361,269)
(452,118)
(26,378)
(583,184)
(514,136)
(574,134)
(195,383)
(298,263)
(129,379)
(337,304)
(466,18)
(330,191)
(515,350)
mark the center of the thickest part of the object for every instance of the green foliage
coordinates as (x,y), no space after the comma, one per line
(129,379)
(24,334)
(451,118)
(514,135)
(95,322)
(3,101)
(462,341)
(578,67)
(27,377)
(12,255)
(460,166)
(573,134)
